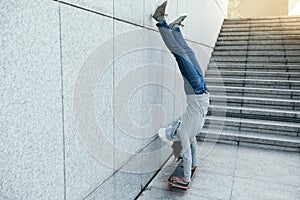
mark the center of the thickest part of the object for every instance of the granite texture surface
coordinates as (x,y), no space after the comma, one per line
(31,139)
(62,62)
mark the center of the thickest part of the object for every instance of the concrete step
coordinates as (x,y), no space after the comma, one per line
(257,59)
(256,125)
(259,42)
(263,20)
(262,67)
(270,47)
(261,140)
(253,75)
(255,92)
(259,37)
(260,27)
(255,113)
(255,102)
(282,53)
(256,83)
(253,33)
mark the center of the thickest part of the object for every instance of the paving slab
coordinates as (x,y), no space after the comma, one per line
(219,160)
(269,166)
(234,172)
(155,193)
(252,190)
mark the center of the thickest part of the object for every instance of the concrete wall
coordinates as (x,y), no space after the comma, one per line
(260,8)
(294,7)
(84,86)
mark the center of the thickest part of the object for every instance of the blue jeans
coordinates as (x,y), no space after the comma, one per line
(193,119)
(190,69)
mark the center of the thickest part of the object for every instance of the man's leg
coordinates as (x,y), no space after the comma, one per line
(185,65)
(170,41)
(181,41)
(190,53)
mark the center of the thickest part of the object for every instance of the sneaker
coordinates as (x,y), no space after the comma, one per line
(177,21)
(163,137)
(160,11)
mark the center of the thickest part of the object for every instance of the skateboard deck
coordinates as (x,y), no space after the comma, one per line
(178,172)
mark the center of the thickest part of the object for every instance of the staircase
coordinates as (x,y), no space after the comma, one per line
(254,83)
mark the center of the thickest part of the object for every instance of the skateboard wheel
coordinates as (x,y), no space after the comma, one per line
(170,185)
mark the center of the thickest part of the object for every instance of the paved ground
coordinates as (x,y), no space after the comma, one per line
(235,172)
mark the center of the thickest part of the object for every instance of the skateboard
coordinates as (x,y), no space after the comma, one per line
(178,172)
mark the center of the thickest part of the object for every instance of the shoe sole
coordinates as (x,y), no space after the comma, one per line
(158,10)
(172,23)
